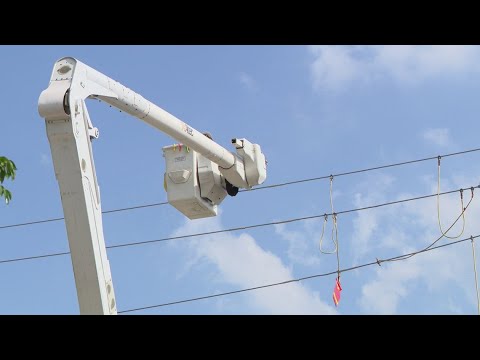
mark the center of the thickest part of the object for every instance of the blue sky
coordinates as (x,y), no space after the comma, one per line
(315,110)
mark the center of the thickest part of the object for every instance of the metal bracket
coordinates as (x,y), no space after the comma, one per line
(93,132)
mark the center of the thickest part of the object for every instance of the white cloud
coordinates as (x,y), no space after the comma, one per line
(366,223)
(247,81)
(303,238)
(336,66)
(439,272)
(454,308)
(301,244)
(440,281)
(240,261)
(382,295)
(439,136)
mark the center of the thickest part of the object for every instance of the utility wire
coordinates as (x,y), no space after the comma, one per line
(334,231)
(259,187)
(34,257)
(285,221)
(462,214)
(438,208)
(361,171)
(475,272)
(293,280)
(62,218)
(334,226)
(243,227)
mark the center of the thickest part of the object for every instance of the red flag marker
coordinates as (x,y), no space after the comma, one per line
(336,292)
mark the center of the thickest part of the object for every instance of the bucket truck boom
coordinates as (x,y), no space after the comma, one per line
(195,187)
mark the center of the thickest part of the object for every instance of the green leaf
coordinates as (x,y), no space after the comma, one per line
(8,196)
(7,171)
(11,171)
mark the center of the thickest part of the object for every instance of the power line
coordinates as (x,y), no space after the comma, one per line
(34,257)
(247,227)
(134,207)
(287,220)
(62,218)
(462,214)
(31,223)
(475,273)
(362,170)
(260,187)
(293,280)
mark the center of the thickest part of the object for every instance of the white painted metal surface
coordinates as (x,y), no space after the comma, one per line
(70,132)
(184,185)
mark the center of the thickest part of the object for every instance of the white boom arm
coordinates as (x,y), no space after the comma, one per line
(70,132)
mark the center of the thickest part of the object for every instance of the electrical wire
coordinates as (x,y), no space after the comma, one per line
(334,228)
(248,226)
(439,238)
(285,221)
(475,272)
(361,170)
(34,257)
(290,281)
(62,218)
(438,208)
(259,187)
